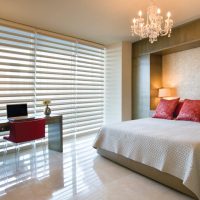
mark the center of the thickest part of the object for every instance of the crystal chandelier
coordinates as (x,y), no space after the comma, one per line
(155,24)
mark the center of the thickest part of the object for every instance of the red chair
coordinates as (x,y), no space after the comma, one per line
(25,131)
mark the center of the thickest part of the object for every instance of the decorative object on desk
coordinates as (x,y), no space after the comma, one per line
(47,110)
(155,24)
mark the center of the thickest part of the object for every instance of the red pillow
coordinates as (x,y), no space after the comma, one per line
(178,108)
(190,111)
(166,108)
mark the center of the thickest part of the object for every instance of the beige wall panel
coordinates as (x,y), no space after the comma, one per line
(113,80)
(182,71)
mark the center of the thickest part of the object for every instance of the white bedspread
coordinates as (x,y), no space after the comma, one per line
(168,145)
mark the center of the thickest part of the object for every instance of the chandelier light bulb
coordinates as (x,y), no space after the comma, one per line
(168,14)
(134,20)
(140,13)
(158,11)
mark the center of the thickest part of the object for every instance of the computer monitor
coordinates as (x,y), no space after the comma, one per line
(16,110)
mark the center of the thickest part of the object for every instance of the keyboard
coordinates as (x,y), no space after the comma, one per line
(20,118)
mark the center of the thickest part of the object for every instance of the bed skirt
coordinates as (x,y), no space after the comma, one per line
(152,173)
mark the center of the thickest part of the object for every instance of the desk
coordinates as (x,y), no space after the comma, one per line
(55,131)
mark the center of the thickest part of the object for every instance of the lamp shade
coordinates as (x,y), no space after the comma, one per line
(164,92)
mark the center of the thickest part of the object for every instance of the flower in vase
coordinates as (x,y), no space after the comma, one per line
(46,102)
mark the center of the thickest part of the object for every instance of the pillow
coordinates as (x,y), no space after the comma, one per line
(166,108)
(190,111)
(178,108)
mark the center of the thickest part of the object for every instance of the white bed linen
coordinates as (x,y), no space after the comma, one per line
(168,145)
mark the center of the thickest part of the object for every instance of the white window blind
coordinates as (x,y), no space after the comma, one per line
(16,68)
(72,76)
(35,67)
(89,88)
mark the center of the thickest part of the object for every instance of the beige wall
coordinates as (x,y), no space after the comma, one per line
(182,71)
(118,101)
(113,87)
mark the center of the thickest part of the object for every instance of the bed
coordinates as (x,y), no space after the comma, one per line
(167,151)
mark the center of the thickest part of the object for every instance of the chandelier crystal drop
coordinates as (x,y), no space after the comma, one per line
(155,24)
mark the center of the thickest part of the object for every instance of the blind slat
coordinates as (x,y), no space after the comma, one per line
(35,67)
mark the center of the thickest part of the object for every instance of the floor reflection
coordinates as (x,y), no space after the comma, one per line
(29,166)
(59,175)
(77,174)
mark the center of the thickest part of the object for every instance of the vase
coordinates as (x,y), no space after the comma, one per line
(47,111)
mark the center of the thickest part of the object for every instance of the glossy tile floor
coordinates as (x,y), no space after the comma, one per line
(77,174)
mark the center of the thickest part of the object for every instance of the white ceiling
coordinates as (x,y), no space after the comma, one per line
(101,21)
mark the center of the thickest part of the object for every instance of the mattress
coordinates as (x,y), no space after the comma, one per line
(169,146)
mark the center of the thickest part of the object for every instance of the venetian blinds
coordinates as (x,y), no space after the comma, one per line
(16,68)
(35,67)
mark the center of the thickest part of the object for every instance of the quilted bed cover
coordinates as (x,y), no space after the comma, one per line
(170,146)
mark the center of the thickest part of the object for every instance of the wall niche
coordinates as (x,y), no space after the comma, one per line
(150,64)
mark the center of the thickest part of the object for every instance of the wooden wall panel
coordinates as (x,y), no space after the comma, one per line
(126,81)
(155,79)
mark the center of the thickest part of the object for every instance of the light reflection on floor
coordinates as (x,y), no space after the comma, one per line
(77,174)
(28,167)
